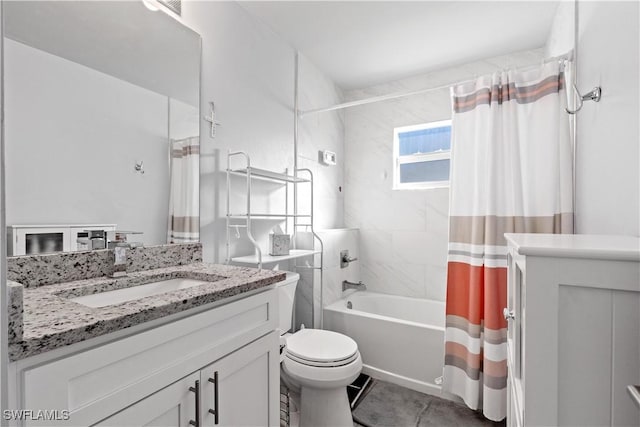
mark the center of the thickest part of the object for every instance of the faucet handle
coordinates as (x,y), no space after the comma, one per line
(345,259)
(119,260)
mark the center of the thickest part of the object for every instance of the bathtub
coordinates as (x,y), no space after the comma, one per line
(401,339)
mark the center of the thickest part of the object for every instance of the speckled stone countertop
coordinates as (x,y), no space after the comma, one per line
(51,320)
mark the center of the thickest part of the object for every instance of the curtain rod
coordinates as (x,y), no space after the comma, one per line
(415,92)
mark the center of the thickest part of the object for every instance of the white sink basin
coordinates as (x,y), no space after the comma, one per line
(118,296)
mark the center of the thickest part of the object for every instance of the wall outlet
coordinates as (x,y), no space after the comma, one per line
(328,157)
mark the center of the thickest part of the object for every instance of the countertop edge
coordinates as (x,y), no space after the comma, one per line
(579,250)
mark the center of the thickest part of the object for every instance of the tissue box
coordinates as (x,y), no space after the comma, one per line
(279,244)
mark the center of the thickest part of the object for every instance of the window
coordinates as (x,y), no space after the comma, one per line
(422,155)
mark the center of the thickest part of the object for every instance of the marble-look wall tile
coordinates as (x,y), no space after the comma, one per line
(316,133)
(302,307)
(334,241)
(39,270)
(403,233)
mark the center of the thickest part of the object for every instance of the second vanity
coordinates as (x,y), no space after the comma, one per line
(196,346)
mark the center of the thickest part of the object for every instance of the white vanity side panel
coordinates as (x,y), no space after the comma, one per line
(542,355)
(626,357)
(540,344)
(584,356)
(97,383)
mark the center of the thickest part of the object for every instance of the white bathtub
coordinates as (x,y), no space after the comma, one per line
(401,339)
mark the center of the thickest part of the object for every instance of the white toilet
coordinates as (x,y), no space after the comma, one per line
(317,366)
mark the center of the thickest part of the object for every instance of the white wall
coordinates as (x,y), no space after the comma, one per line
(608,153)
(184,120)
(403,233)
(562,34)
(73,136)
(248,71)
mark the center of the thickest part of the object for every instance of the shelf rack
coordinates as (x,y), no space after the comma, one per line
(265,174)
(245,220)
(266,259)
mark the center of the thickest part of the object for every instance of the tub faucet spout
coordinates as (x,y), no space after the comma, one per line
(352,285)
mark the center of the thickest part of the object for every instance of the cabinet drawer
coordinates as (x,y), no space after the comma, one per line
(172,406)
(99,382)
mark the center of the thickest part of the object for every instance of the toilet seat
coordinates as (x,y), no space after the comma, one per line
(320,348)
(317,364)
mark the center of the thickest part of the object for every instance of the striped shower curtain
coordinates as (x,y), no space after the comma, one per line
(511,172)
(184,191)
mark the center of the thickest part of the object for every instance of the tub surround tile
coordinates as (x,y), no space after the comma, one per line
(39,270)
(302,305)
(436,282)
(412,246)
(51,320)
(410,279)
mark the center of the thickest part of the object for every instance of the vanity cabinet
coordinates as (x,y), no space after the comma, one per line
(237,388)
(149,378)
(573,340)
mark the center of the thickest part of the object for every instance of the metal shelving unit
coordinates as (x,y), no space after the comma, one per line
(245,220)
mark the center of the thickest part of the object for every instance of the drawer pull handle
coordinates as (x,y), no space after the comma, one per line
(215,411)
(508,314)
(196,390)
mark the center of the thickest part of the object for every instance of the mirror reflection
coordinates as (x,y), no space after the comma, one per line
(101,126)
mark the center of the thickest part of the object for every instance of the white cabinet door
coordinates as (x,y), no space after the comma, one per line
(247,389)
(173,406)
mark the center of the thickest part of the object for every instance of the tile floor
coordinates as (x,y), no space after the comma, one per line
(389,405)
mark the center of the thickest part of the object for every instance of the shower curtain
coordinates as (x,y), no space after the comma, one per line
(184,189)
(511,171)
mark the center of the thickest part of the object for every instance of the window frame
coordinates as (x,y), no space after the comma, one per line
(417,158)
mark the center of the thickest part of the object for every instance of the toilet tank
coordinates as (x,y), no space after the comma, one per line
(286,293)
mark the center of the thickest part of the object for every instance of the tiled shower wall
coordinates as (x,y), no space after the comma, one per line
(403,233)
(334,241)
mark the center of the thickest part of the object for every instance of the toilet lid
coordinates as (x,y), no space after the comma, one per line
(317,347)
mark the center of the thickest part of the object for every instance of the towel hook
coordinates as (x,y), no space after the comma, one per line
(594,95)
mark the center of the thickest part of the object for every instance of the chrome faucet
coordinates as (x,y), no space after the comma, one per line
(352,285)
(120,252)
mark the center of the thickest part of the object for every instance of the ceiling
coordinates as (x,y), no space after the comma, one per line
(363,43)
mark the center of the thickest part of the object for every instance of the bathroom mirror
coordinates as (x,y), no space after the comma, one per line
(101,101)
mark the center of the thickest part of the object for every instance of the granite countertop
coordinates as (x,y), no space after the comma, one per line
(44,318)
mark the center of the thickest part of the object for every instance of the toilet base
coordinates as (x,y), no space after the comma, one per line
(325,408)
